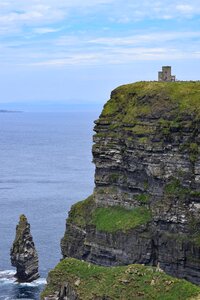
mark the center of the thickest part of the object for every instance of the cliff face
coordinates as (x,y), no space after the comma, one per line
(23,253)
(146,202)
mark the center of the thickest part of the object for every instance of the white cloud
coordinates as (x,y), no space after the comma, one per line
(185,8)
(136,39)
(134,11)
(44,30)
(31,15)
(18,16)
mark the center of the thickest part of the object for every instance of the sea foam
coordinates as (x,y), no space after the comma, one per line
(7,277)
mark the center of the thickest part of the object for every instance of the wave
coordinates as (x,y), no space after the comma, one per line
(38,282)
(7,273)
(7,277)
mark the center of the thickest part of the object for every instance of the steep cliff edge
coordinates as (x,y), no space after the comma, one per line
(146,202)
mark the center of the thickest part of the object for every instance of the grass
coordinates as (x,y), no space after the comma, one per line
(193,152)
(143,140)
(114,177)
(143,198)
(108,219)
(112,219)
(80,212)
(141,130)
(192,148)
(175,189)
(20,230)
(136,282)
(140,99)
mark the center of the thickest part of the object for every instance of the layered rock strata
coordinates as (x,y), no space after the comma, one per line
(23,253)
(146,153)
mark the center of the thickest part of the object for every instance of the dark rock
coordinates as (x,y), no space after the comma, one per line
(23,253)
(65,292)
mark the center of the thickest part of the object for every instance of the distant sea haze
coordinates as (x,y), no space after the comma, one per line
(9,111)
(46,166)
(53,106)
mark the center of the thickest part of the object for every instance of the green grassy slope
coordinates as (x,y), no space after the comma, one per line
(124,283)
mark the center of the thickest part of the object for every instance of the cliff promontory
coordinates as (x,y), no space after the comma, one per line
(146,202)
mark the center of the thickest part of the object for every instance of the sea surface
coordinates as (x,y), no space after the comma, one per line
(45,167)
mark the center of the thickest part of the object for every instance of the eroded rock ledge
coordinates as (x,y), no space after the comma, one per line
(23,253)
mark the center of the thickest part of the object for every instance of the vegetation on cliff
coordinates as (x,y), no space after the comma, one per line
(127,282)
(108,219)
(80,213)
(153,111)
(112,219)
(148,98)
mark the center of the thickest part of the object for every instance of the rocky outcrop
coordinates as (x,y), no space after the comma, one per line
(146,202)
(64,291)
(23,253)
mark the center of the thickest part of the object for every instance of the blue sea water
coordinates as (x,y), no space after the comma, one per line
(45,167)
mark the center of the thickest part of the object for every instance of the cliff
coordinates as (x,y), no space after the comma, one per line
(146,202)
(23,253)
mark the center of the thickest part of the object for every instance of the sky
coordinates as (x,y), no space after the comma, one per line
(70,54)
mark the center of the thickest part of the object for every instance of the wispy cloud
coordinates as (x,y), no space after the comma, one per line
(135,11)
(84,50)
(186,9)
(33,12)
(158,37)
(44,30)
(120,57)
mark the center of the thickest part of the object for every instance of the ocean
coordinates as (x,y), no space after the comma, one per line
(45,167)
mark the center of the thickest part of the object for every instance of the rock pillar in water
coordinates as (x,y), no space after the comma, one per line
(23,253)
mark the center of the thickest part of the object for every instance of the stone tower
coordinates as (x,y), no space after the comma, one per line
(165,74)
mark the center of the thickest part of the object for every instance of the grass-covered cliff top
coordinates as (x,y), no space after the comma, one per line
(107,219)
(125,283)
(140,99)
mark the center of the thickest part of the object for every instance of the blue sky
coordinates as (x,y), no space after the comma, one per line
(73,53)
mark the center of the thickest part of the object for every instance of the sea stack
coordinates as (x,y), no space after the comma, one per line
(23,253)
